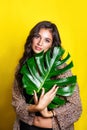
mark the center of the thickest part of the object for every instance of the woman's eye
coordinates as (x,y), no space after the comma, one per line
(47,40)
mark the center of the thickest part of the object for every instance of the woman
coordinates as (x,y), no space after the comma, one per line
(43,36)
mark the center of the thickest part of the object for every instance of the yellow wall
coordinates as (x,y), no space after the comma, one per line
(17,17)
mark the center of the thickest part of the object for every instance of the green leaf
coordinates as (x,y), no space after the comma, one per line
(52,106)
(59,101)
(60,62)
(62,81)
(39,71)
(66,91)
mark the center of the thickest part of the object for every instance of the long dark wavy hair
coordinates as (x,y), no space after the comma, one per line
(28,52)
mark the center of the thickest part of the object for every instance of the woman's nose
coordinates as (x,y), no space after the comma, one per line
(40,42)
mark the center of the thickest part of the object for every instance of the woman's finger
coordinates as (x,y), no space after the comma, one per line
(35,97)
(54,93)
(52,89)
(42,93)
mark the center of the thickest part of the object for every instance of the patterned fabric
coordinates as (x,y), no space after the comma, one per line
(66,115)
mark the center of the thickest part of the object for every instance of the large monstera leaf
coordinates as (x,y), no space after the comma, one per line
(40,70)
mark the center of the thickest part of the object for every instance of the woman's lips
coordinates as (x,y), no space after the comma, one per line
(38,48)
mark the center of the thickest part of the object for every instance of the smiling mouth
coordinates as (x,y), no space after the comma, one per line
(38,48)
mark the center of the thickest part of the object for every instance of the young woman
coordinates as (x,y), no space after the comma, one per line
(43,36)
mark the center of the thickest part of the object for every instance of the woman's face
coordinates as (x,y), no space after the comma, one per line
(42,41)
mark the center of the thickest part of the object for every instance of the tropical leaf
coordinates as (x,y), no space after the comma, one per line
(40,70)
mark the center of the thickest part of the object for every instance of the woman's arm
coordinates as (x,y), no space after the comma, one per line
(19,104)
(71,111)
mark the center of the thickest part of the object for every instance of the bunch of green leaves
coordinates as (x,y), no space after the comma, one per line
(39,71)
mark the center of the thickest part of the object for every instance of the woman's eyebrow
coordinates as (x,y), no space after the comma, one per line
(49,38)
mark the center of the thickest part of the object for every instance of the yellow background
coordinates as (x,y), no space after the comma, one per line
(17,17)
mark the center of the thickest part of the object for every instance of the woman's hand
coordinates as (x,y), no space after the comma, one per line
(45,99)
(45,113)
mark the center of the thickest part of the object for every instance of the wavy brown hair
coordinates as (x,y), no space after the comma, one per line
(28,52)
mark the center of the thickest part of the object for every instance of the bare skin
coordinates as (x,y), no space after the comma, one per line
(42,122)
